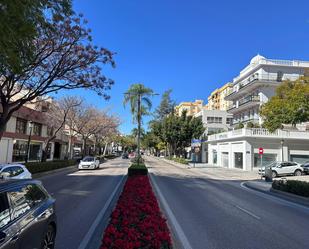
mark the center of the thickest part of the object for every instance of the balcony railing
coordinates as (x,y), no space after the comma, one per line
(259,132)
(265,78)
(252,98)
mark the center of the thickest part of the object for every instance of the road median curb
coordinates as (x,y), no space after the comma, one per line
(179,238)
(92,239)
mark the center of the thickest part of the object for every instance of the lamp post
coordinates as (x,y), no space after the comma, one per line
(282,142)
(29,139)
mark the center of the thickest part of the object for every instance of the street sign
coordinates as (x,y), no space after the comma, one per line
(261,151)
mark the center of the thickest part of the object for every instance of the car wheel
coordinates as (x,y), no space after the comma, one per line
(274,174)
(49,238)
(297,173)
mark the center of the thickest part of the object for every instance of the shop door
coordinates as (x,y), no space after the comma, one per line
(238,159)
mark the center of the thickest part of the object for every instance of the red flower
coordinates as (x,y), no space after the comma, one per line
(137,221)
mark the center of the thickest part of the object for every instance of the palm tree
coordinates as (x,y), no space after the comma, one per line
(140,103)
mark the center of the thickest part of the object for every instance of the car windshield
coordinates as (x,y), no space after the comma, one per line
(88,159)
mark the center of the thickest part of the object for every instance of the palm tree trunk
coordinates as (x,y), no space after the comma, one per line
(139,128)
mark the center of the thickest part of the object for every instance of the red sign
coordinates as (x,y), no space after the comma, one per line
(261,151)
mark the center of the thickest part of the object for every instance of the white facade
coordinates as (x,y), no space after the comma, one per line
(239,148)
(256,84)
(215,120)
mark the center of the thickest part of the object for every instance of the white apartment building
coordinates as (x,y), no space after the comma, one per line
(254,86)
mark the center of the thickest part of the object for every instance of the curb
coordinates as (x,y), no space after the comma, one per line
(283,195)
(41,174)
(93,238)
(178,237)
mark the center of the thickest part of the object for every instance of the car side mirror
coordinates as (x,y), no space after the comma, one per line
(2,236)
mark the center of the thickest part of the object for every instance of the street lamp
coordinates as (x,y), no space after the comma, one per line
(282,142)
(29,139)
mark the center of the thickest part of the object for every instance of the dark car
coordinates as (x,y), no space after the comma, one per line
(27,215)
(125,155)
(306,168)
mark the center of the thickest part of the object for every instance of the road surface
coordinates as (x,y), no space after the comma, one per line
(214,213)
(80,196)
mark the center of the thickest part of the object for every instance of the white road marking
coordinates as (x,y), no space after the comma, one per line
(171,217)
(276,199)
(248,212)
(91,231)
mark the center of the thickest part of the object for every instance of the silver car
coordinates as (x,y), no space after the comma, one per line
(14,171)
(283,168)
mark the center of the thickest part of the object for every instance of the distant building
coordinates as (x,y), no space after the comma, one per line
(192,108)
(216,100)
(254,86)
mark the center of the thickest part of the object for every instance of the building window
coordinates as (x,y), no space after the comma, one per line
(215,156)
(50,131)
(214,120)
(299,158)
(229,121)
(37,128)
(21,126)
(266,160)
(19,151)
(35,152)
(238,156)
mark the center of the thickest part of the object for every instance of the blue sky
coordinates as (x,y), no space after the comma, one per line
(191,46)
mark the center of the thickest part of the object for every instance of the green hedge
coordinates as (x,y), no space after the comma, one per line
(37,167)
(137,169)
(292,186)
(179,160)
(110,156)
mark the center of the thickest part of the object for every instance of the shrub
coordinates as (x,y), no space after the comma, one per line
(179,160)
(111,156)
(137,222)
(250,125)
(239,126)
(37,167)
(137,169)
(292,186)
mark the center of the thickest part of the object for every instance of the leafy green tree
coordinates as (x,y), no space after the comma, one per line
(19,21)
(139,98)
(166,105)
(290,105)
(178,131)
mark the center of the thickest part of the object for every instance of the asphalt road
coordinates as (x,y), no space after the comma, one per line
(214,213)
(80,196)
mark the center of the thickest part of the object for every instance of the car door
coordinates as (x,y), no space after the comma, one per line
(8,229)
(282,169)
(24,215)
(40,213)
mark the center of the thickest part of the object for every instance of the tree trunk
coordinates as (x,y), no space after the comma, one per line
(139,114)
(105,148)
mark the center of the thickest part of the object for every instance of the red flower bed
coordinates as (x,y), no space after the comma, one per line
(136,221)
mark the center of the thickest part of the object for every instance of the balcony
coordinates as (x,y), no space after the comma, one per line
(259,133)
(245,103)
(256,80)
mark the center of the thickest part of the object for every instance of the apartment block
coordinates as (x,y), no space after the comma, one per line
(216,100)
(192,108)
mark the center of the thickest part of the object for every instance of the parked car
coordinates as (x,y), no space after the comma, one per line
(283,168)
(14,171)
(27,215)
(125,155)
(131,155)
(89,162)
(305,167)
